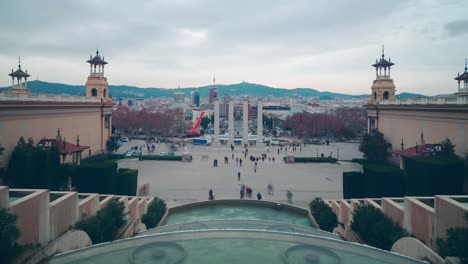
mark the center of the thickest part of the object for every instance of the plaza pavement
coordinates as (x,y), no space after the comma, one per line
(183,182)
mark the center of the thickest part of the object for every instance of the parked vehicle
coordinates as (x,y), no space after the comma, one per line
(201,141)
(124,139)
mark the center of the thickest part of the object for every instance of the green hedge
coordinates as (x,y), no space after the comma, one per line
(377,180)
(95,176)
(375,228)
(126,182)
(353,185)
(383,180)
(315,159)
(98,174)
(161,157)
(427,176)
(104,157)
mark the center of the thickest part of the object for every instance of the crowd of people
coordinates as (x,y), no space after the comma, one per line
(247,191)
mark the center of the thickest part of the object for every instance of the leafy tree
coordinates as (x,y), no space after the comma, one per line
(204,122)
(375,147)
(9,233)
(323,214)
(375,228)
(347,132)
(104,226)
(34,167)
(456,244)
(448,148)
(111,144)
(156,211)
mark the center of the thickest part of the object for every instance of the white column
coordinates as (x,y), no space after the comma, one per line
(260,122)
(245,121)
(216,122)
(231,121)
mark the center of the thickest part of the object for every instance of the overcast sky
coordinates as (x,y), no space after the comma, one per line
(327,45)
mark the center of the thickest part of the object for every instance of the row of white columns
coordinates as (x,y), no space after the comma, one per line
(245,122)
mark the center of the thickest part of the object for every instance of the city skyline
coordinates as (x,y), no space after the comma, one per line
(319,45)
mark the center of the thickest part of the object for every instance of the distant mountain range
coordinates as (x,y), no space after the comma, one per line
(244,88)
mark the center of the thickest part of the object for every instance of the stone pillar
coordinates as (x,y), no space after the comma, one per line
(260,122)
(216,122)
(231,121)
(245,121)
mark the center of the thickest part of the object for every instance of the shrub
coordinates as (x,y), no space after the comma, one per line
(160,157)
(456,244)
(156,211)
(315,159)
(9,233)
(375,228)
(375,147)
(104,226)
(323,214)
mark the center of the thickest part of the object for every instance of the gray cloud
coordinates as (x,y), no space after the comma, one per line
(457,27)
(280,43)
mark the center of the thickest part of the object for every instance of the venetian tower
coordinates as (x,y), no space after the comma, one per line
(463,79)
(97,85)
(383,87)
(21,78)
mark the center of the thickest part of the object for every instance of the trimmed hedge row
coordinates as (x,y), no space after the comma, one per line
(353,185)
(103,157)
(100,175)
(377,180)
(427,176)
(95,176)
(382,180)
(423,176)
(126,180)
(315,159)
(161,157)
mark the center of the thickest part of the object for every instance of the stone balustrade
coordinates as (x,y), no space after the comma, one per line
(427,100)
(43,216)
(31,97)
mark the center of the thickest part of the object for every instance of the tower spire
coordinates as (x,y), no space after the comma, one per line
(383,51)
(466,62)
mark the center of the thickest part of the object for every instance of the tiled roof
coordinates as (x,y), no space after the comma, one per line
(19,73)
(97,59)
(422,150)
(66,148)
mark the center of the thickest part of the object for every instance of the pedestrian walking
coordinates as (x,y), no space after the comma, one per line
(238,176)
(242,193)
(210,195)
(289,196)
(240,162)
